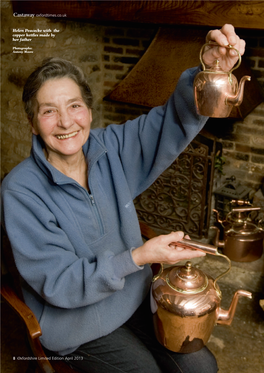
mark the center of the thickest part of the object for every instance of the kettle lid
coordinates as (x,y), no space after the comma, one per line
(244,230)
(187,279)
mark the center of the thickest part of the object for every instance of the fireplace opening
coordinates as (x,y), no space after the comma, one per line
(180,199)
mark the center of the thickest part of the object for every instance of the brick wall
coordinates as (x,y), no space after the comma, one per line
(123,47)
(243,141)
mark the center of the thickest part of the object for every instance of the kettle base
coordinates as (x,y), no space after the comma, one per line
(180,334)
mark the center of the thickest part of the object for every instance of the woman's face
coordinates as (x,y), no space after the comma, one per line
(62,118)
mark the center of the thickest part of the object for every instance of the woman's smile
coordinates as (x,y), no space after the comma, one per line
(67,136)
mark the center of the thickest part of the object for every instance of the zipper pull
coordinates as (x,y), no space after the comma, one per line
(91,199)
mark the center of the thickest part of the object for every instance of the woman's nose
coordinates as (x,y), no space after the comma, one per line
(65,119)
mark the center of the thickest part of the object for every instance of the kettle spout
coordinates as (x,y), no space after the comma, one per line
(216,241)
(226,317)
(238,98)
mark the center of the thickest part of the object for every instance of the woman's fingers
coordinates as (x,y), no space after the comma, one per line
(223,37)
(164,249)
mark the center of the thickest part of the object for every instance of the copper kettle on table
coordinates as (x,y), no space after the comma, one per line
(217,91)
(187,303)
(242,238)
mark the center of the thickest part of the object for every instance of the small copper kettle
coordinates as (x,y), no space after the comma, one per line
(217,91)
(187,304)
(242,239)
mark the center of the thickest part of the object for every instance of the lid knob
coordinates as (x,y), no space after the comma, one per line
(187,279)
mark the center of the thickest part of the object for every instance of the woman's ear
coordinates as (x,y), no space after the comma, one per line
(91,114)
(33,127)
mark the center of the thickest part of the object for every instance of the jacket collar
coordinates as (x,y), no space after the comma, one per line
(93,149)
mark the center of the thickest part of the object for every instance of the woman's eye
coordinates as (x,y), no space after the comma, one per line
(47,112)
(76,106)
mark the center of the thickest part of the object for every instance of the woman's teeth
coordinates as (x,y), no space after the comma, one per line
(62,137)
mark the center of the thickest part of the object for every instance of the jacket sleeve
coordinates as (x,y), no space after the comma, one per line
(47,260)
(149,144)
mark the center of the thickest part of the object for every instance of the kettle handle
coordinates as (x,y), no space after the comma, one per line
(206,248)
(159,273)
(226,46)
(244,209)
(189,244)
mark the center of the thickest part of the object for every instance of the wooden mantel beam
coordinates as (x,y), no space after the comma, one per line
(242,14)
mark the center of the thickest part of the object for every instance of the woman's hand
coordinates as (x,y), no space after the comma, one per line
(163,249)
(227,57)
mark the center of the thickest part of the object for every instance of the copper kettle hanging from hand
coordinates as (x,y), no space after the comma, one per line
(217,91)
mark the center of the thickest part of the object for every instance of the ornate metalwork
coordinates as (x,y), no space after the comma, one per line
(177,199)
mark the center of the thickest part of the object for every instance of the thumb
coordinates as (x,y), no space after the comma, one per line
(175,236)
